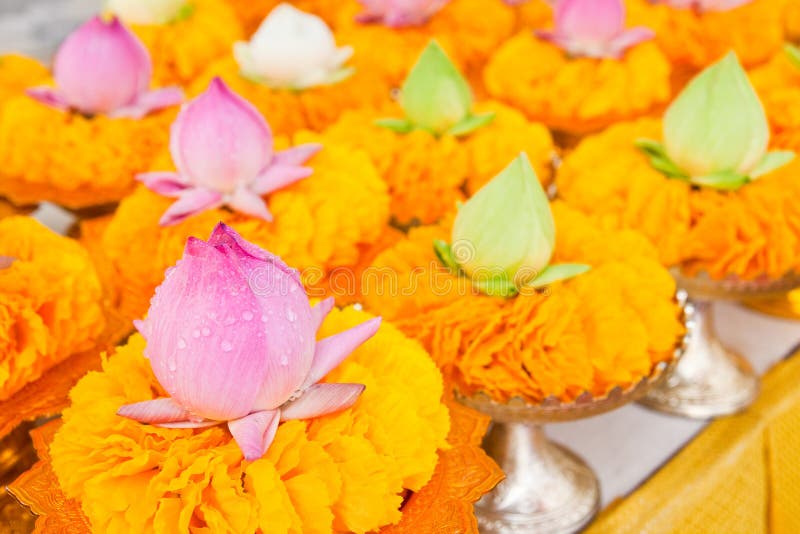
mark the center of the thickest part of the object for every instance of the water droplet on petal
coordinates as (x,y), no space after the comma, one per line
(264,318)
(172,364)
(284,360)
(181,343)
(291,316)
(206,332)
(247,316)
(226,346)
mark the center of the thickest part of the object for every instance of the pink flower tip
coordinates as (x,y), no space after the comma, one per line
(399,13)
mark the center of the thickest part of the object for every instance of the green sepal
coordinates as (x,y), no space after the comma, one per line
(556,272)
(185,13)
(658,158)
(498,286)
(771,161)
(445,255)
(340,75)
(471,123)
(401,126)
(724,180)
(794,54)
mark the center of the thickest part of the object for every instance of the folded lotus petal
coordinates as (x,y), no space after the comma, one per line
(296,155)
(169,184)
(590,20)
(254,433)
(628,39)
(321,310)
(224,236)
(205,423)
(149,102)
(331,351)
(219,140)
(191,202)
(48,96)
(322,399)
(164,410)
(101,67)
(277,177)
(245,201)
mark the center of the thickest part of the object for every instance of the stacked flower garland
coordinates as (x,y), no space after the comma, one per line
(229,161)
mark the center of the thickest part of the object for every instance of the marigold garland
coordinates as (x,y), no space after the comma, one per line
(604,328)
(183,49)
(72,160)
(343,472)
(392,51)
(694,40)
(313,109)
(749,233)
(577,95)
(426,174)
(778,85)
(324,221)
(49,302)
(17,73)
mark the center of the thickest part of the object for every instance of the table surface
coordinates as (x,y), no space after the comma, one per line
(625,446)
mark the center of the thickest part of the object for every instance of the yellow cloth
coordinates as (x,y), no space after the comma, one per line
(740,475)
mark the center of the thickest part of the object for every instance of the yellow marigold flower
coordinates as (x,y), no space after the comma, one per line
(183,49)
(315,108)
(750,232)
(17,73)
(604,328)
(778,85)
(694,40)
(343,472)
(72,160)
(538,78)
(534,14)
(392,51)
(426,174)
(324,221)
(49,301)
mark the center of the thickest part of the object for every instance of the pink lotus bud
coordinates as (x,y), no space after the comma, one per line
(399,13)
(103,68)
(706,5)
(223,150)
(231,337)
(594,28)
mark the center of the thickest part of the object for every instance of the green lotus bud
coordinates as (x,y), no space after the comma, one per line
(717,124)
(436,97)
(503,237)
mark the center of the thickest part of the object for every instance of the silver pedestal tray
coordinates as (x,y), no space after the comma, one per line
(547,489)
(712,380)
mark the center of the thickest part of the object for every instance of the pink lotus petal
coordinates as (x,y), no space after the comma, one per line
(322,399)
(189,424)
(277,177)
(224,237)
(297,155)
(332,350)
(321,310)
(49,97)
(254,433)
(191,202)
(220,141)
(163,410)
(590,20)
(149,102)
(245,201)
(629,39)
(399,13)
(101,67)
(168,184)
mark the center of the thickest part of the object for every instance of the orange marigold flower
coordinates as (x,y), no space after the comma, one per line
(17,73)
(538,78)
(49,301)
(324,221)
(392,51)
(315,108)
(604,328)
(72,160)
(534,14)
(693,40)
(792,17)
(251,13)
(778,86)
(183,49)
(426,174)
(749,233)
(342,472)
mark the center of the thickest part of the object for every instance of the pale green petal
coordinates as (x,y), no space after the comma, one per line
(499,286)
(559,271)
(717,123)
(471,123)
(794,54)
(773,160)
(445,255)
(401,126)
(435,96)
(725,180)
(658,158)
